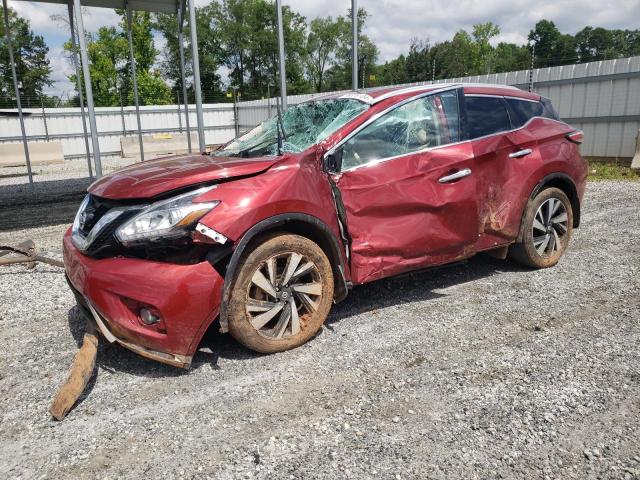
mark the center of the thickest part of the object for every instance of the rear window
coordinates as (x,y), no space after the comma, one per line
(486,115)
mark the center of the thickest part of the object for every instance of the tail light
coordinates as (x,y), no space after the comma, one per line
(575,137)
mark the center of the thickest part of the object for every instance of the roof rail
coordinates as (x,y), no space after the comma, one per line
(416,88)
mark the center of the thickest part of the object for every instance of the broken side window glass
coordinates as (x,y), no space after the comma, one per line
(304,125)
(423,123)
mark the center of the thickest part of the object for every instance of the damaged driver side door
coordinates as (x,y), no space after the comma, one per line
(407,188)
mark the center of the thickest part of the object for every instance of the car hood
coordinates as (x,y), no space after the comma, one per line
(154,177)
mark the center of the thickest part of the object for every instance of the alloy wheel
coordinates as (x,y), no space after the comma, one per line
(550,225)
(284,291)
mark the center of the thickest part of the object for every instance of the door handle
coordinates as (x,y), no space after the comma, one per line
(521,153)
(455,176)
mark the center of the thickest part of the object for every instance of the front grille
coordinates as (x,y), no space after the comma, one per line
(106,242)
(94,211)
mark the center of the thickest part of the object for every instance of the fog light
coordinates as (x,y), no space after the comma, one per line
(148,317)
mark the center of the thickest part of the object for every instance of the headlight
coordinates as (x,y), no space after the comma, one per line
(171,218)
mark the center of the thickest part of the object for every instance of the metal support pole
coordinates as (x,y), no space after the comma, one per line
(354,44)
(87,84)
(79,87)
(44,119)
(196,74)
(283,70)
(268,100)
(7,33)
(134,78)
(235,112)
(124,125)
(183,78)
(179,113)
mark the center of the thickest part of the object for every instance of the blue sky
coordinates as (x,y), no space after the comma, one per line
(392,23)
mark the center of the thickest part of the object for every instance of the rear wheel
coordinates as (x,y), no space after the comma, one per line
(547,228)
(281,295)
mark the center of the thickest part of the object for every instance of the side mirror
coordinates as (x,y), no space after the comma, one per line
(333,162)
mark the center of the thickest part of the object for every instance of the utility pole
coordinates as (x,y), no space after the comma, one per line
(533,56)
(433,71)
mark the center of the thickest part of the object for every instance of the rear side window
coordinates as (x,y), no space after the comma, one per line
(523,110)
(486,115)
(547,109)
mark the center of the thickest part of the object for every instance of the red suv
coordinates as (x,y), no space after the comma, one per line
(266,233)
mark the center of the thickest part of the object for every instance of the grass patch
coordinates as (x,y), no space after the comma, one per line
(611,171)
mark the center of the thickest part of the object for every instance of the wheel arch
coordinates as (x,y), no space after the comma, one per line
(301,224)
(563,182)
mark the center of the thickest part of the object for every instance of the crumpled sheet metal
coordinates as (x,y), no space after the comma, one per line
(400,217)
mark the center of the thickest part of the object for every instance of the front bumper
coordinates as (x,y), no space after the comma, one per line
(112,290)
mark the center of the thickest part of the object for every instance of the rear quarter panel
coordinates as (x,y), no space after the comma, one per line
(554,154)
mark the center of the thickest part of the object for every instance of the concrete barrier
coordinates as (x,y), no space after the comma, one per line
(157,145)
(635,163)
(40,153)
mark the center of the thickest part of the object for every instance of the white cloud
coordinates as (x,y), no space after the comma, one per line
(393,23)
(61,68)
(40,17)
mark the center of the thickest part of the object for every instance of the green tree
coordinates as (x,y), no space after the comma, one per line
(419,63)
(551,46)
(484,52)
(321,44)
(152,90)
(107,53)
(169,62)
(596,44)
(509,57)
(339,75)
(109,65)
(461,58)
(250,47)
(32,65)
(209,53)
(393,72)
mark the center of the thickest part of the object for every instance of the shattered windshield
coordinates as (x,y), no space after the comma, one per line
(303,125)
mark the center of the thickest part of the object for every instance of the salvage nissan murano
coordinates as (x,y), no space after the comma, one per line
(266,233)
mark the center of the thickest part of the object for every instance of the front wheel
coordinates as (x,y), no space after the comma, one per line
(547,228)
(281,295)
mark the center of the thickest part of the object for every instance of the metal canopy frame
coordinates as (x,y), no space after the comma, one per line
(81,64)
(177,7)
(354,45)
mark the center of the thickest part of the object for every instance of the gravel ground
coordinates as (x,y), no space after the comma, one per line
(476,370)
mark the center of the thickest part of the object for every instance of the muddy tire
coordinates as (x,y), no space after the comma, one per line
(547,229)
(281,295)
